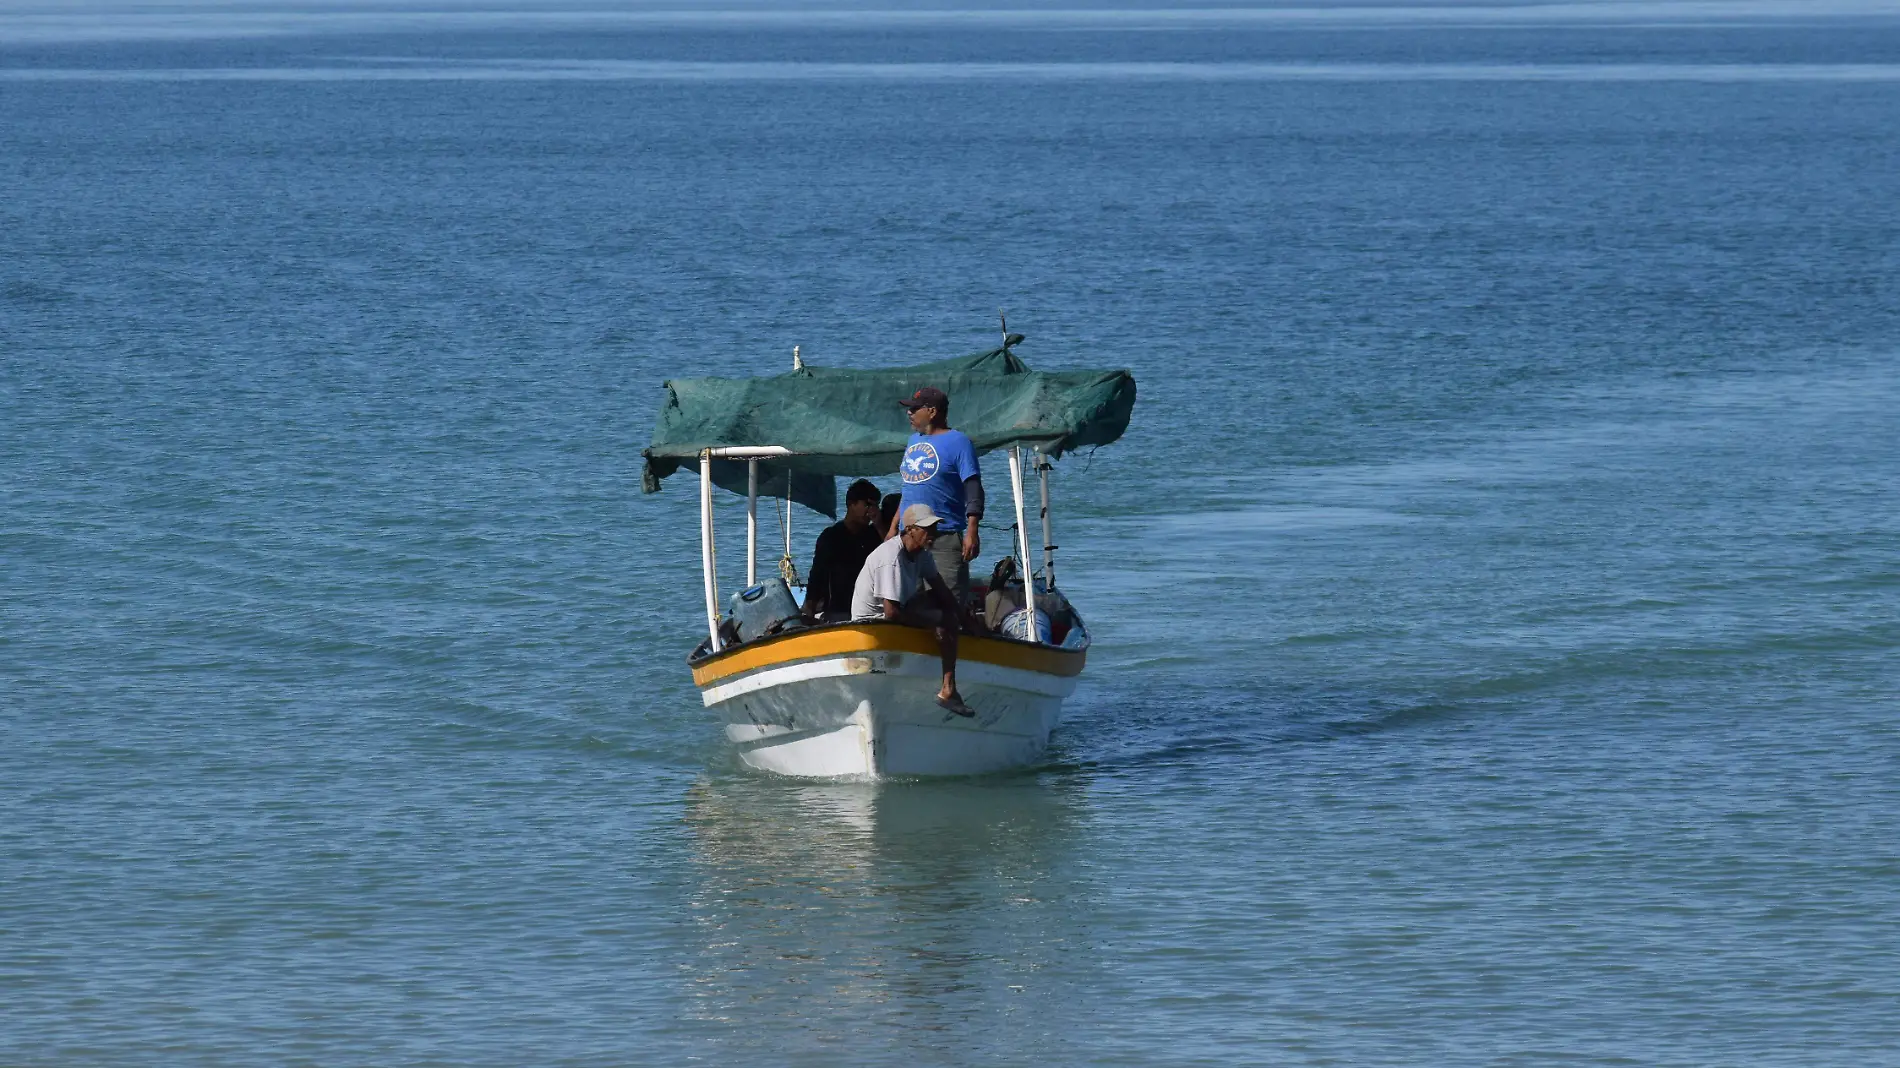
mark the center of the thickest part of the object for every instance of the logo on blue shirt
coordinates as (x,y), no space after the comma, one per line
(920,462)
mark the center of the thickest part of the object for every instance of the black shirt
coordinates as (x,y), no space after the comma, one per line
(835,564)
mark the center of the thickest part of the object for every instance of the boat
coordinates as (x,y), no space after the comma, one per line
(858,699)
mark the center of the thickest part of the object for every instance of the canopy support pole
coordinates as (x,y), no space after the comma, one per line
(751,523)
(1048,539)
(1022,535)
(788,528)
(707,561)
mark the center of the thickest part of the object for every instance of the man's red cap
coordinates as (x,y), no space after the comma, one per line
(927,397)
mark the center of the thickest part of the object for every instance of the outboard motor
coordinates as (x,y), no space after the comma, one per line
(763,609)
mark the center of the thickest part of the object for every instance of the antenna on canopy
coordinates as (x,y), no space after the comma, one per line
(1008,338)
(798,362)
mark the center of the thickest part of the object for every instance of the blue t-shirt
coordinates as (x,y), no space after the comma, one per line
(934,468)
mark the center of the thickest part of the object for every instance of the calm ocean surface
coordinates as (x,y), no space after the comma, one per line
(1497,593)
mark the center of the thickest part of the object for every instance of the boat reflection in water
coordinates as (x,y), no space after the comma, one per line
(882,914)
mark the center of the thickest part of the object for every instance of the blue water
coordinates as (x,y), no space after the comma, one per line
(1496,593)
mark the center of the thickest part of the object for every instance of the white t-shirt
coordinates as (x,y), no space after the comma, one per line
(890,573)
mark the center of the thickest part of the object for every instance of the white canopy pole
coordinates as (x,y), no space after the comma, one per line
(1022,533)
(751,453)
(788,525)
(1048,539)
(746,452)
(707,561)
(751,523)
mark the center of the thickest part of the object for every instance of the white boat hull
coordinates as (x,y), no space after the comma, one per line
(874,714)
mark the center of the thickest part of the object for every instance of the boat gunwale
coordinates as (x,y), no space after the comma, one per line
(884,636)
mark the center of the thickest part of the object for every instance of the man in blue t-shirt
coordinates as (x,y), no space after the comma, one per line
(940,470)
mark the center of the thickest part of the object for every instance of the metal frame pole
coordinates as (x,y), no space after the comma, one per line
(788,522)
(1022,535)
(708,562)
(1048,539)
(751,523)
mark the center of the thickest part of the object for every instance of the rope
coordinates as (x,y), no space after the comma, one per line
(787,567)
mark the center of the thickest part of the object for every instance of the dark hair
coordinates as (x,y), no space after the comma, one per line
(887,511)
(862,490)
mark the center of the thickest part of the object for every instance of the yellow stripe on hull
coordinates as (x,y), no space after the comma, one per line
(883,637)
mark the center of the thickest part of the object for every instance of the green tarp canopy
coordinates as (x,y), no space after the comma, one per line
(847,422)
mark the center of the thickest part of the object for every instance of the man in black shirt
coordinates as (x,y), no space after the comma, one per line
(840,554)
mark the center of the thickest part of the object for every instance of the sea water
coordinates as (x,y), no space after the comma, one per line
(1494,596)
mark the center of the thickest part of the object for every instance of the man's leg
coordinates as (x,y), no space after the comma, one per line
(946,550)
(947,651)
(919,612)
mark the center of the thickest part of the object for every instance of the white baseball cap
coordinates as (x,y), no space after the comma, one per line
(920,515)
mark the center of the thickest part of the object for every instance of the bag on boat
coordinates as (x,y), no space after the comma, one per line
(1016,625)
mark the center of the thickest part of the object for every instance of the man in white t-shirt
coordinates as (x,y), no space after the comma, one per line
(900,582)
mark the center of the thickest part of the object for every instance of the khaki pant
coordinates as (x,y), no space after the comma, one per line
(947,550)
